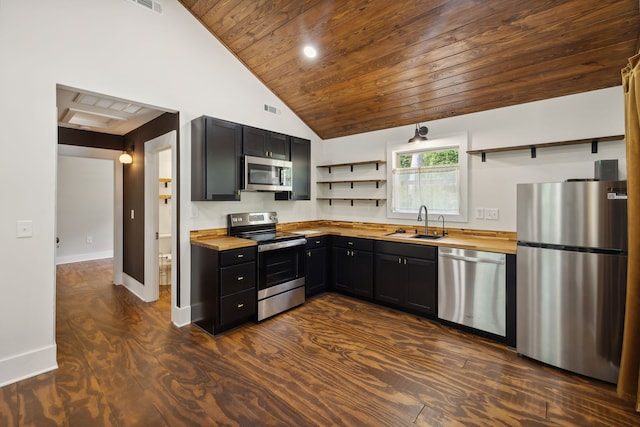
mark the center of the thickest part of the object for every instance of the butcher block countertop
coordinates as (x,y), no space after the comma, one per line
(481,240)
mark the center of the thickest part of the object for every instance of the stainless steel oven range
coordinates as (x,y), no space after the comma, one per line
(281,275)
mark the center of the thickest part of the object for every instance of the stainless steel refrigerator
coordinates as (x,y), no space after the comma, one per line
(571,275)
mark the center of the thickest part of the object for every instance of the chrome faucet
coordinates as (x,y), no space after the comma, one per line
(426,218)
(443,232)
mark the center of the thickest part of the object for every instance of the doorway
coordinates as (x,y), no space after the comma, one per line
(160,213)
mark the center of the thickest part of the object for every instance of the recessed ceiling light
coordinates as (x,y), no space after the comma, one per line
(310,51)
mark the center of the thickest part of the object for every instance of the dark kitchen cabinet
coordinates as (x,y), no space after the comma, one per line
(406,276)
(223,287)
(216,159)
(300,150)
(352,265)
(264,143)
(316,266)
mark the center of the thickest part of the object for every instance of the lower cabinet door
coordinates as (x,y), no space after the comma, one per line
(422,286)
(316,273)
(236,307)
(389,278)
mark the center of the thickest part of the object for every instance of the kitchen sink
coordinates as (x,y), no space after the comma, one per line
(426,236)
(415,236)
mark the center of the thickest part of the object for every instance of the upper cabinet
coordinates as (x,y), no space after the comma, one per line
(301,159)
(216,159)
(264,143)
(217,164)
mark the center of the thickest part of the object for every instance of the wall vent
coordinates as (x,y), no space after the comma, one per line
(272,109)
(152,5)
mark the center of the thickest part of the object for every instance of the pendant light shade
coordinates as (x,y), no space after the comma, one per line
(125,158)
(421,131)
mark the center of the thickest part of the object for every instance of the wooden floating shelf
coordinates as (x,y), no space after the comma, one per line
(351,199)
(352,164)
(594,146)
(351,181)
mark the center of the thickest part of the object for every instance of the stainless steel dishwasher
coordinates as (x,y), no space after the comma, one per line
(472,289)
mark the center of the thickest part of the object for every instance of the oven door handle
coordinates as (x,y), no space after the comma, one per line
(281,245)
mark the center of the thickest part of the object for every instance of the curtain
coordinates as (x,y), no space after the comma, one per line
(629,377)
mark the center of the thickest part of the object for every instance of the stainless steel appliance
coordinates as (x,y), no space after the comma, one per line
(571,275)
(281,261)
(472,289)
(265,174)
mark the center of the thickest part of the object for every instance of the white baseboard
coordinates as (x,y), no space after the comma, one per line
(83,257)
(181,316)
(27,365)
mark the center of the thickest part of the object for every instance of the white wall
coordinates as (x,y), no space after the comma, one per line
(114,48)
(493,184)
(84,209)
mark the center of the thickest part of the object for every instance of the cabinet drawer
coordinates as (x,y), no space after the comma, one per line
(237,256)
(316,242)
(237,278)
(238,306)
(353,243)
(407,250)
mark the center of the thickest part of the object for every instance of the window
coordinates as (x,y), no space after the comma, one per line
(431,173)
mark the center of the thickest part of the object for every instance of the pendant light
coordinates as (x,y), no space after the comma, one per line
(421,131)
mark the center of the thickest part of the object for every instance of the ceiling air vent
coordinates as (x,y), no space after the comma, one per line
(152,5)
(272,109)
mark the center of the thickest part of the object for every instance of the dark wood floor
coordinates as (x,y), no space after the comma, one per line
(333,361)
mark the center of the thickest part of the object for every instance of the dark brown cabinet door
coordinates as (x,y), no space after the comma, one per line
(264,143)
(422,285)
(390,278)
(406,276)
(353,266)
(316,271)
(216,159)
(301,159)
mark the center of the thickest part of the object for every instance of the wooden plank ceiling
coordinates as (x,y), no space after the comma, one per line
(383,63)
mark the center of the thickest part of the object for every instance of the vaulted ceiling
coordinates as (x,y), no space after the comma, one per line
(382,64)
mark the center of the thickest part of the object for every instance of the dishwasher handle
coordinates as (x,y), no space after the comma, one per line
(471,259)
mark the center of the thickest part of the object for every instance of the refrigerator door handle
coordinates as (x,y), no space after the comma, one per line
(469,259)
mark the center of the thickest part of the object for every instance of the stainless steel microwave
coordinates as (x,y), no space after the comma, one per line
(265,174)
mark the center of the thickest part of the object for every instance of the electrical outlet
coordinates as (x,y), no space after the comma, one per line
(89,240)
(491,213)
(479,213)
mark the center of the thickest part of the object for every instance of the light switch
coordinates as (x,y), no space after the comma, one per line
(479,213)
(24,228)
(133,214)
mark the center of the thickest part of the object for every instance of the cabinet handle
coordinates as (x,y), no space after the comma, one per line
(240,278)
(405,261)
(308,253)
(399,260)
(317,242)
(350,243)
(238,192)
(240,305)
(240,255)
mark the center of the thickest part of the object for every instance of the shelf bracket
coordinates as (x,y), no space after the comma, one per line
(594,145)
(351,184)
(377,203)
(533,152)
(329,169)
(377,166)
(484,156)
(330,202)
(351,202)
(351,168)
(330,186)
(377,184)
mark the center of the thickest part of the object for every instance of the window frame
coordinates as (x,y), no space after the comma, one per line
(457,141)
